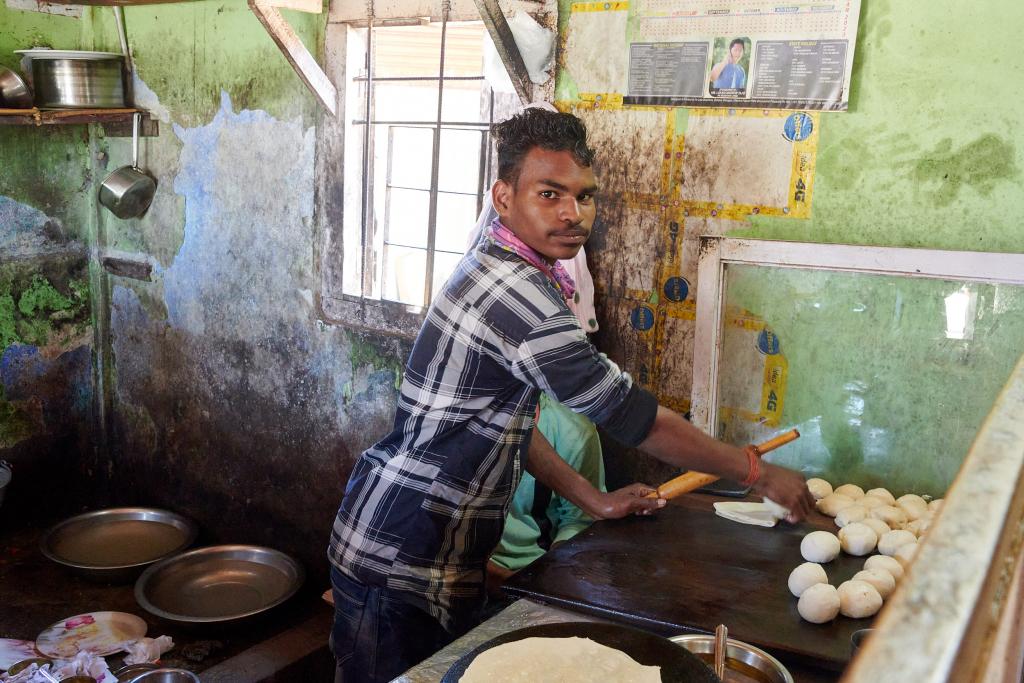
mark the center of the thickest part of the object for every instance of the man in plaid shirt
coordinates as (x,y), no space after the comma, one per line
(424,507)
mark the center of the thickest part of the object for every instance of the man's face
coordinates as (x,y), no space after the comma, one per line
(552,206)
(737,53)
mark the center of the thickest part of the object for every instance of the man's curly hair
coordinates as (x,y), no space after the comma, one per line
(533,127)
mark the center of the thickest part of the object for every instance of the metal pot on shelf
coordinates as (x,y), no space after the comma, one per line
(14,93)
(76,79)
(128,191)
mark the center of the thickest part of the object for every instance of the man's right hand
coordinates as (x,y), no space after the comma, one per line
(787,488)
(629,500)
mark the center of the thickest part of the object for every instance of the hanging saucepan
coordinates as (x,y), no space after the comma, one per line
(128,191)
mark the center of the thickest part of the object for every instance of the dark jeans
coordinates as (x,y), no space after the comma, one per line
(376,636)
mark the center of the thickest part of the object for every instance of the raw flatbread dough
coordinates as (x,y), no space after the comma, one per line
(557,660)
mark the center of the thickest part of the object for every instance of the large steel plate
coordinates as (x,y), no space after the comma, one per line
(218,584)
(117,544)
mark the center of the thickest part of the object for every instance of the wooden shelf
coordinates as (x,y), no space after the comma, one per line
(51,117)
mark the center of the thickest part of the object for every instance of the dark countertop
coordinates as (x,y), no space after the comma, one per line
(687,570)
(35,592)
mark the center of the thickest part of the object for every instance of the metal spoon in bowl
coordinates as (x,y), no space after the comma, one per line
(721,645)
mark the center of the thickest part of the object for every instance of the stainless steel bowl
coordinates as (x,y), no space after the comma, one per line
(117,544)
(219,584)
(166,676)
(14,94)
(130,671)
(763,665)
(76,79)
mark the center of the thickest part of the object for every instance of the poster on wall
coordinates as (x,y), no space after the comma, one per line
(742,53)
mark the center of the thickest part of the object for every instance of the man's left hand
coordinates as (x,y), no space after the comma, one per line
(629,500)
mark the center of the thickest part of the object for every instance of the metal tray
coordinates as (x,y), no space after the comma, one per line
(117,544)
(677,664)
(218,584)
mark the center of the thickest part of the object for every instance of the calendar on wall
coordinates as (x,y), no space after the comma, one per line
(741,53)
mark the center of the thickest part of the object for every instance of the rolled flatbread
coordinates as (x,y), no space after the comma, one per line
(557,660)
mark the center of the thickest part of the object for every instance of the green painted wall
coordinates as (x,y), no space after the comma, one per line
(932,150)
(930,154)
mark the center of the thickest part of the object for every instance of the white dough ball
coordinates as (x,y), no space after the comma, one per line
(914,506)
(885,563)
(882,580)
(889,542)
(878,526)
(871,502)
(858,599)
(831,504)
(850,490)
(882,494)
(891,515)
(853,513)
(819,603)
(804,576)
(936,505)
(857,539)
(819,546)
(905,554)
(919,526)
(819,488)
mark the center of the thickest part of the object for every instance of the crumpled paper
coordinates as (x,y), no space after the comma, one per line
(147,649)
(33,674)
(84,664)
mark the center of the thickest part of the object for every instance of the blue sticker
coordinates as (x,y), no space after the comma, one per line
(767,342)
(676,288)
(798,127)
(642,318)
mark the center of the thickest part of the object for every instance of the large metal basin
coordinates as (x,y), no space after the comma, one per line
(219,584)
(74,79)
(115,545)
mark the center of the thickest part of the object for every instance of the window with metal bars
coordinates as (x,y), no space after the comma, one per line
(417,156)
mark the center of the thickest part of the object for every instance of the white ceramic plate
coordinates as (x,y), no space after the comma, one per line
(41,53)
(13,651)
(100,633)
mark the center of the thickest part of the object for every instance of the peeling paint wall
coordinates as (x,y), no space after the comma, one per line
(929,155)
(225,396)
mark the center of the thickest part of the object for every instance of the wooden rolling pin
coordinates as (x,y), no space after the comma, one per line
(694,480)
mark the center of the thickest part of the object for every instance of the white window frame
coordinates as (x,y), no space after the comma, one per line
(717,252)
(333,306)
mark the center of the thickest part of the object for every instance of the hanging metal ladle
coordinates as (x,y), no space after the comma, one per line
(128,191)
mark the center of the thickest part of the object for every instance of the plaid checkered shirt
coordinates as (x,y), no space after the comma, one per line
(425,506)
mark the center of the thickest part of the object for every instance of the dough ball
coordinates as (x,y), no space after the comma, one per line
(882,494)
(878,526)
(819,488)
(850,491)
(885,563)
(935,505)
(806,575)
(871,502)
(905,554)
(889,542)
(831,504)
(919,526)
(882,580)
(820,546)
(914,506)
(858,599)
(891,515)
(857,539)
(819,603)
(853,513)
